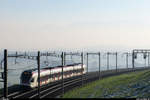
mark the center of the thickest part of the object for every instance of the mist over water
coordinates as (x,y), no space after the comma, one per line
(17,65)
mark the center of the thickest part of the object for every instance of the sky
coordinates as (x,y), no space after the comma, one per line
(74,24)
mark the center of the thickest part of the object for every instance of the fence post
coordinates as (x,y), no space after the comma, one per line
(62,61)
(38,62)
(107,60)
(5,74)
(116,62)
(99,63)
(82,66)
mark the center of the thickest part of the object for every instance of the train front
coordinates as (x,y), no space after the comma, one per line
(25,78)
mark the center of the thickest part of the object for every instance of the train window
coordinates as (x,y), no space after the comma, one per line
(65,73)
(25,77)
(53,75)
(77,71)
(43,78)
(50,76)
(58,74)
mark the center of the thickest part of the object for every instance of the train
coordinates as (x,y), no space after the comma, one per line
(29,78)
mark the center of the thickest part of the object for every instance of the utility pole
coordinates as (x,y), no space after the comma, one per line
(116,62)
(5,75)
(82,57)
(107,60)
(127,59)
(62,57)
(133,59)
(99,63)
(148,59)
(38,62)
(87,66)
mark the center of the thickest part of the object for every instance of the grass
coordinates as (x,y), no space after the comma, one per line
(128,85)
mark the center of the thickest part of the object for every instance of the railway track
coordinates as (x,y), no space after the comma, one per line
(54,89)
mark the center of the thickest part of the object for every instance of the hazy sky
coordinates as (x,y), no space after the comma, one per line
(46,24)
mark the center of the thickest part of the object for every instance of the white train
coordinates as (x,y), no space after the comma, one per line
(51,74)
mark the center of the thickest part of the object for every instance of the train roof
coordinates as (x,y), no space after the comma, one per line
(64,66)
(35,69)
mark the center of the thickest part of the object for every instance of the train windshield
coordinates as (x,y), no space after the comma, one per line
(25,77)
